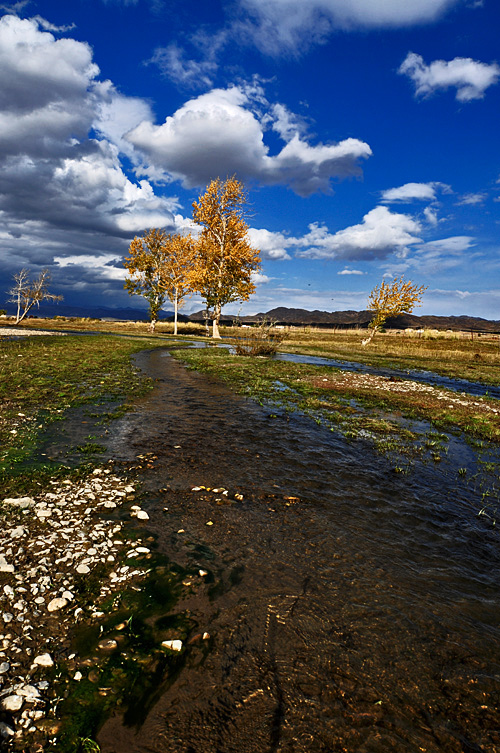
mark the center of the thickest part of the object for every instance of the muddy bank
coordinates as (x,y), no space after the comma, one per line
(349,608)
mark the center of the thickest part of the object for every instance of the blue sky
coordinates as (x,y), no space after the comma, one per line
(366,132)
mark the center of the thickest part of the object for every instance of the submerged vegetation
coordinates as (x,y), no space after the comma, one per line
(350,401)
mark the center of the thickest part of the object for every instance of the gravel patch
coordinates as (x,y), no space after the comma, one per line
(350,381)
(49,544)
(17,332)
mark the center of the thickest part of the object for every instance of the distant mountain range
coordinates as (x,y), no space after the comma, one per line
(343,319)
(96,312)
(281,315)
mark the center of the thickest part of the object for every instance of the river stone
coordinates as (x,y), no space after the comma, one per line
(4,565)
(44,513)
(56,604)
(6,730)
(172,645)
(142,515)
(44,660)
(107,644)
(12,702)
(4,667)
(29,692)
(83,569)
(22,502)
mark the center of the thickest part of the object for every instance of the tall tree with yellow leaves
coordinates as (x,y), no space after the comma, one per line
(158,265)
(390,299)
(224,259)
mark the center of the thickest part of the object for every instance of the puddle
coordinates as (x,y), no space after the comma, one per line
(349,608)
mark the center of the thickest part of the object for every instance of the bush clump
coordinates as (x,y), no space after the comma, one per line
(263,340)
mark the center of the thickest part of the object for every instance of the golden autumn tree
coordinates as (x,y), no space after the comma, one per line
(224,259)
(178,264)
(158,265)
(390,299)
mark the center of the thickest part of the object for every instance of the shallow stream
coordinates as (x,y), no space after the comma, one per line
(349,608)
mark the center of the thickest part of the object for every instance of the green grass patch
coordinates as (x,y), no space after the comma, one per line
(348,404)
(42,377)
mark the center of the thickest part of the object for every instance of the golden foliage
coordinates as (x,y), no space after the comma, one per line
(159,265)
(390,299)
(224,259)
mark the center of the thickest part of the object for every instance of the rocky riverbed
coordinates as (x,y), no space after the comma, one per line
(53,547)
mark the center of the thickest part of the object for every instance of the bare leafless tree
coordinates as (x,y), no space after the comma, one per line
(26,293)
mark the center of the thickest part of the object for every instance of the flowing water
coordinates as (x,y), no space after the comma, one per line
(426,377)
(350,608)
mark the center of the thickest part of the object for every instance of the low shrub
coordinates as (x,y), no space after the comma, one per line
(263,340)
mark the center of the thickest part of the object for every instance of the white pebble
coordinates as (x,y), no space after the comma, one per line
(56,604)
(173,645)
(44,660)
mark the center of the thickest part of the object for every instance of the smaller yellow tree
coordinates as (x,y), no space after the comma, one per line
(390,299)
(224,258)
(177,266)
(144,265)
(159,265)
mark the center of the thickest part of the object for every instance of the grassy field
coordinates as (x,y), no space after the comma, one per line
(42,377)
(473,358)
(352,402)
(59,372)
(458,355)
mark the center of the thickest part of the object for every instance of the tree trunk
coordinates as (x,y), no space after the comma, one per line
(370,337)
(152,325)
(215,323)
(176,305)
(26,309)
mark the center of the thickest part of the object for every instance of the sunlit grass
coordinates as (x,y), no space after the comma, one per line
(42,377)
(351,401)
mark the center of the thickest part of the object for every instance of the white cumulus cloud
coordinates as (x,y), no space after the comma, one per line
(472,199)
(381,234)
(469,77)
(53,174)
(221,133)
(272,245)
(187,72)
(413,191)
